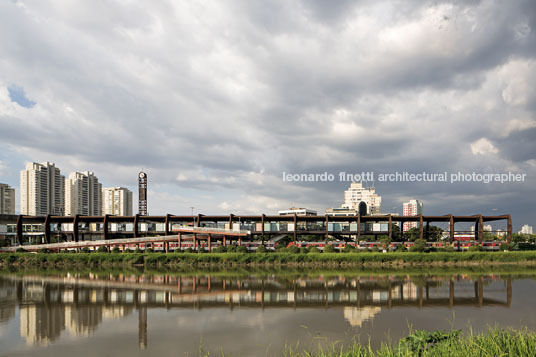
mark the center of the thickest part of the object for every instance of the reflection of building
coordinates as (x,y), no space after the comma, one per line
(412,208)
(7,199)
(82,320)
(117,201)
(526,229)
(83,194)
(115,312)
(356,194)
(42,190)
(8,301)
(356,316)
(298,211)
(41,324)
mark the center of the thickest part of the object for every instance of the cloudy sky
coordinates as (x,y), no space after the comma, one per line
(216,99)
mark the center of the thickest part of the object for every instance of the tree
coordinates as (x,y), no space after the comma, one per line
(395,233)
(434,233)
(412,234)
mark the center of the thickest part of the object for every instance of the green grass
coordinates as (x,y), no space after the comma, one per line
(392,259)
(494,342)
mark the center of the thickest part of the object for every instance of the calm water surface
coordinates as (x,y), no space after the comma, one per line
(137,314)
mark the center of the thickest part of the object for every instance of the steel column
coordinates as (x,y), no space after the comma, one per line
(105,228)
(390,231)
(421,228)
(166,228)
(451,235)
(76,221)
(480,229)
(19,229)
(136,229)
(358,228)
(509,229)
(295,226)
(47,229)
(327,227)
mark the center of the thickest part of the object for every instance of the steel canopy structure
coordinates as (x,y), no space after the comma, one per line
(355,226)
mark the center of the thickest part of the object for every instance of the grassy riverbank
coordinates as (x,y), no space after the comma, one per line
(495,342)
(332,260)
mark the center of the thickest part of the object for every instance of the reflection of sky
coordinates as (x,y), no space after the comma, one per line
(253,331)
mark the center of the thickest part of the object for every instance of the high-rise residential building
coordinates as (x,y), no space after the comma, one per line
(117,201)
(42,190)
(83,194)
(412,208)
(7,199)
(526,229)
(362,198)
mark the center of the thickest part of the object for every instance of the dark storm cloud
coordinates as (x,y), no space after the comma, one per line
(221,98)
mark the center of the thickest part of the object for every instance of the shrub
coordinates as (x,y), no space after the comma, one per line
(261,249)
(505,246)
(220,249)
(348,248)
(102,249)
(20,250)
(85,250)
(449,248)
(314,250)
(475,248)
(385,241)
(201,250)
(293,249)
(116,250)
(418,246)
(149,250)
(231,248)
(138,250)
(329,249)
(43,250)
(374,249)
(241,249)
(188,250)
(401,248)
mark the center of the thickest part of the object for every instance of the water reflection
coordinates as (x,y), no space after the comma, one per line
(79,303)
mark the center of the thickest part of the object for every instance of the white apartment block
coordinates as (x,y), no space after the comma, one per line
(411,208)
(42,190)
(298,211)
(117,201)
(83,194)
(357,194)
(526,229)
(7,199)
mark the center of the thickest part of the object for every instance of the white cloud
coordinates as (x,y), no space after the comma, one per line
(482,147)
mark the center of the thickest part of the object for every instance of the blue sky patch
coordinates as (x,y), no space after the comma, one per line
(18,96)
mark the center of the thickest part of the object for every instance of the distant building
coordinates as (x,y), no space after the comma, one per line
(526,229)
(298,211)
(7,199)
(83,194)
(341,212)
(42,190)
(117,201)
(412,208)
(364,200)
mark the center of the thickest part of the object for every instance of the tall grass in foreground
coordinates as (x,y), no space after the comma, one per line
(494,342)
